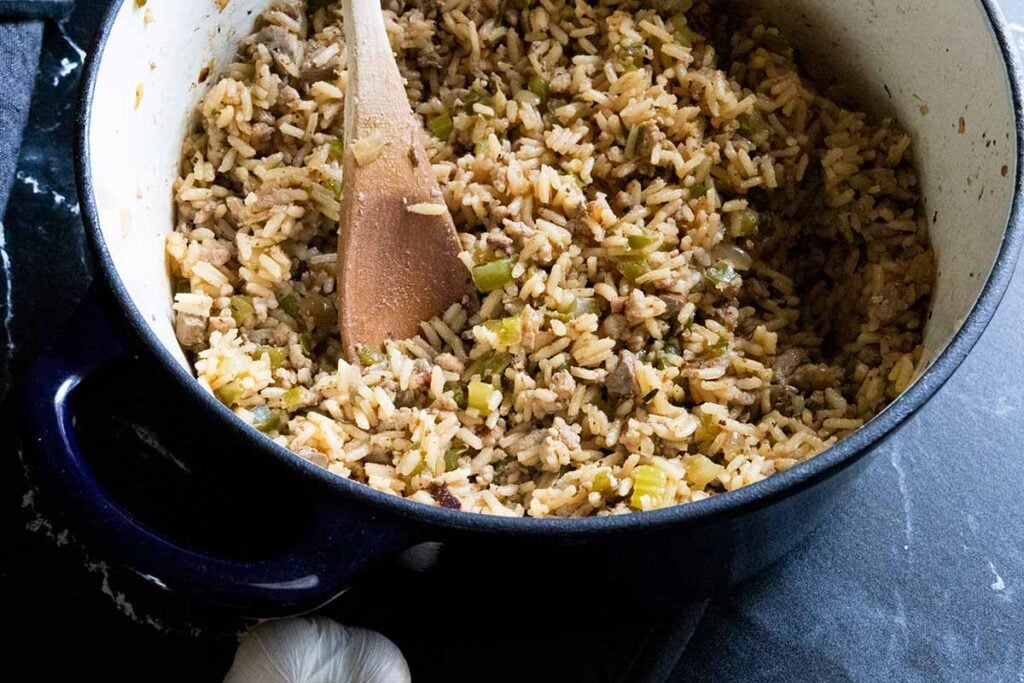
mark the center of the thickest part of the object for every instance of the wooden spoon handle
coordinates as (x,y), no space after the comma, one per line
(375,93)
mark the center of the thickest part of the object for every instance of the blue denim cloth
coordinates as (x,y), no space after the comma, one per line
(21,34)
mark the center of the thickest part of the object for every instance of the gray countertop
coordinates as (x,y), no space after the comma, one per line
(918,575)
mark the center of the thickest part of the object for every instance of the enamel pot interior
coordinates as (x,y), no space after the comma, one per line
(895,57)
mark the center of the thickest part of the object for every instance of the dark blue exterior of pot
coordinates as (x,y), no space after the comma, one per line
(662,557)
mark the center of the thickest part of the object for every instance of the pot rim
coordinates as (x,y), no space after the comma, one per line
(730,504)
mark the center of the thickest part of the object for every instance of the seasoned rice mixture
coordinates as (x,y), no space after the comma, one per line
(696,270)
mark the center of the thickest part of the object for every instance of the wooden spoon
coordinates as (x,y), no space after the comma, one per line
(396,267)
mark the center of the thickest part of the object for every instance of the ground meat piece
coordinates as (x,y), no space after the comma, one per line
(421,372)
(673,305)
(560,442)
(296,9)
(812,377)
(640,308)
(289,96)
(427,57)
(870,356)
(622,380)
(443,495)
(781,398)
(497,240)
(623,201)
(563,384)
(518,230)
(281,335)
(261,137)
(576,226)
(311,72)
(785,363)
(648,139)
(284,46)
(190,329)
(896,301)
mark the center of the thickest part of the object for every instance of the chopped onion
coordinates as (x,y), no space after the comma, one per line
(739,259)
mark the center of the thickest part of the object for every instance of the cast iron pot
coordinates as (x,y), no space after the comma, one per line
(944,68)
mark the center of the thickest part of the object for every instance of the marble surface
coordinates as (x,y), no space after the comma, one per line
(917,576)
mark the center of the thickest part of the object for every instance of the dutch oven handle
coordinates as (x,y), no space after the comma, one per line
(331,548)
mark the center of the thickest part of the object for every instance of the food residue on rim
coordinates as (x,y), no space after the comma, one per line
(204,73)
(138,95)
(963,126)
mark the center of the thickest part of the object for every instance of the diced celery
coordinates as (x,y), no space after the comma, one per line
(334,186)
(683,33)
(540,87)
(451,459)
(318,312)
(584,306)
(861,182)
(441,126)
(649,484)
(718,349)
(265,419)
(481,147)
(641,242)
(230,393)
(709,423)
(479,396)
(631,269)
(752,124)
(748,223)
(721,273)
(509,331)
(369,355)
(487,366)
(289,304)
(278,355)
(475,96)
(701,470)
(602,482)
(182,286)
(494,275)
(291,399)
(632,56)
(337,152)
(306,342)
(242,310)
(458,393)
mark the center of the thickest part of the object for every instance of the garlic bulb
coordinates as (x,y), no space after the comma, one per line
(316,650)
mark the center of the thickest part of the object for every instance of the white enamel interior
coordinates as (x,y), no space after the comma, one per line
(897,57)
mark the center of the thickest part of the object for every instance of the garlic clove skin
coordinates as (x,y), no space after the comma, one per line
(316,650)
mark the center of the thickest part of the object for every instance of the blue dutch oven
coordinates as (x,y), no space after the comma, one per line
(139,88)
